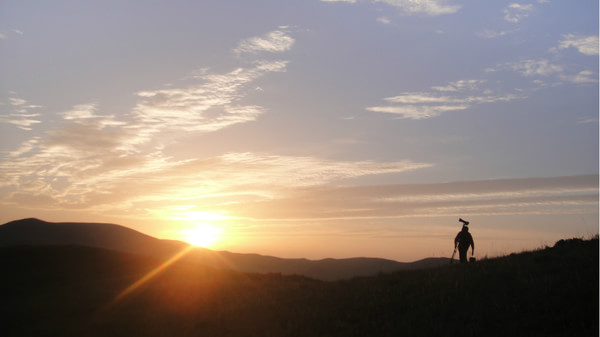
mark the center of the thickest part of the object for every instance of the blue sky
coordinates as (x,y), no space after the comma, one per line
(289,125)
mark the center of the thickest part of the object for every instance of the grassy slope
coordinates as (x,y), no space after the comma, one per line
(68,291)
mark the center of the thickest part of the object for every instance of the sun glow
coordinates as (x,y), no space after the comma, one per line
(202,235)
(203,229)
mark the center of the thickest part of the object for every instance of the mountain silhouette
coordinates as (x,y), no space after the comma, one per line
(35,232)
(77,291)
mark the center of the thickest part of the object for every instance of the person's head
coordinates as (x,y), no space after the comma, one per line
(465,228)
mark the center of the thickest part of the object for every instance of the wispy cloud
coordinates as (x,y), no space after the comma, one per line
(384,20)
(417,111)
(296,171)
(516,12)
(84,168)
(454,96)
(82,161)
(493,34)
(98,161)
(460,85)
(85,137)
(543,68)
(557,195)
(4,35)
(208,106)
(428,7)
(532,67)
(587,45)
(585,76)
(88,113)
(273,42)
(588,121)
(21,115)
(412,7)
(17,101)
(25,147)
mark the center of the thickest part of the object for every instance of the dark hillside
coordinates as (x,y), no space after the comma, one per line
(35,232)
(325,269)
(551,292)
(71,291)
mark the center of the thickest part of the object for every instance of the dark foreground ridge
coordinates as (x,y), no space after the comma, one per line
(35,232)
(78,291)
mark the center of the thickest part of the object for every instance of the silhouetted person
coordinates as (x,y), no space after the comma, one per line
(463,240)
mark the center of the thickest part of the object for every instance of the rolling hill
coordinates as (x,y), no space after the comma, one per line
(85,291)
(35,232)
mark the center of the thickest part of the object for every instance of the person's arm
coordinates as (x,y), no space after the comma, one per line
(472,247)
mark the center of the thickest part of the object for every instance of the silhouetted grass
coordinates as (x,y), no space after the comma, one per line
(70,291)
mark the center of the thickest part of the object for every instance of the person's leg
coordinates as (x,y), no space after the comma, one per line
(463,255)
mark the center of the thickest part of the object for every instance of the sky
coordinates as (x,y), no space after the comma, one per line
(305,128)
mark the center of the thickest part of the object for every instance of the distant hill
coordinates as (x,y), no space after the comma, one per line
(325,269)
(35,232)
(75,291)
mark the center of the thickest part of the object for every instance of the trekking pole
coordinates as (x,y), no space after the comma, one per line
(453,253)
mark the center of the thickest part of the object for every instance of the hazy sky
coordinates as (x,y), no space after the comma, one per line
(305,128)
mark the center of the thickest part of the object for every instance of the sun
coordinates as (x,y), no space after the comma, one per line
(201,228)
(202,235)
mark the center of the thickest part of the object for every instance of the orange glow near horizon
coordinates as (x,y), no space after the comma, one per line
(200,228)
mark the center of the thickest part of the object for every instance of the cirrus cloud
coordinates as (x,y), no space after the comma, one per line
(21,115)
(273,42)
(412,7)
(428,7)
(553,195)
(455,96)
(97,161)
